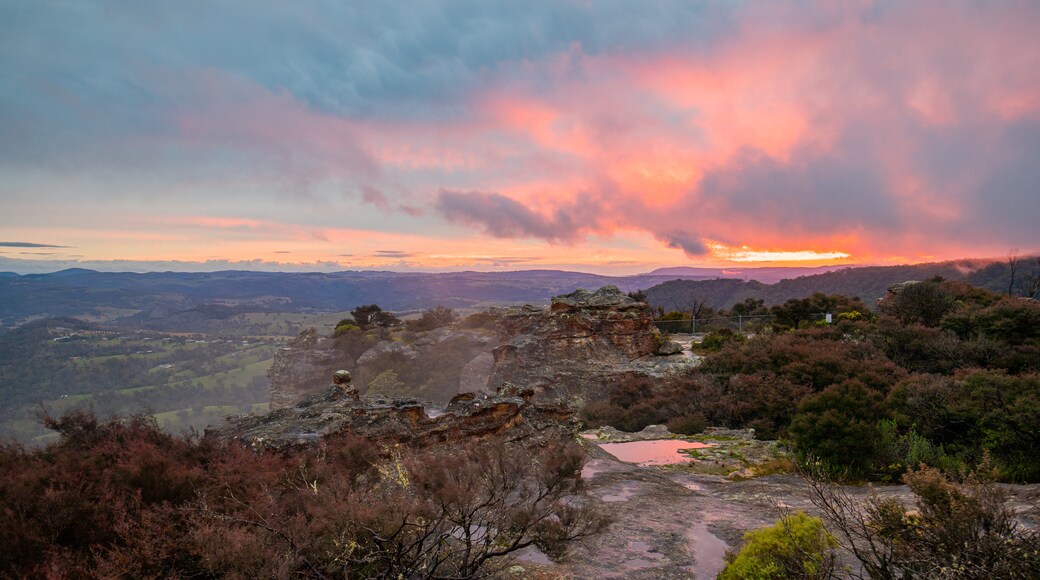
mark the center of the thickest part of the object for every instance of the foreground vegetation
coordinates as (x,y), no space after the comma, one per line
(126,499)
(959,527)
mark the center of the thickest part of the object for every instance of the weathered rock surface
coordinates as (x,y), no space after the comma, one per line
(569,350)
(581,341)
(474,376)
(303,367)
(371,362)
(510,413)
(670,347)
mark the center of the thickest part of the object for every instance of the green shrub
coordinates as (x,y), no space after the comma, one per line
(344,327)
(716,339)
(796,546)
(839,428)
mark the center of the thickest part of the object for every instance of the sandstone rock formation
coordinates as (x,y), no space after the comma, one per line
(568,350)
(303,367)
(511,414)
(583,339)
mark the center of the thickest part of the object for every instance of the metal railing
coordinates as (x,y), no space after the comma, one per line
(752,323)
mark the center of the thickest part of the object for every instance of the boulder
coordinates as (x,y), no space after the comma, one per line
(669,347)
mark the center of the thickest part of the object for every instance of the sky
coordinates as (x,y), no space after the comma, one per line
(600,136)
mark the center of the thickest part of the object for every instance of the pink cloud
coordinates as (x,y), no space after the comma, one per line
(835,127)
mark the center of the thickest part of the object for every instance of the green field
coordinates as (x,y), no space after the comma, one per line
(183,381)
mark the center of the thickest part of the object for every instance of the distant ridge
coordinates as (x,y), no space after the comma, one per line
(766,275)
(868,283)
(152,300)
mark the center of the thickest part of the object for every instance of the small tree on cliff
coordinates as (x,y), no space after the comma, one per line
(372,315)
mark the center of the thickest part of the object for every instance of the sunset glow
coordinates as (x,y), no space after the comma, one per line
(606,137)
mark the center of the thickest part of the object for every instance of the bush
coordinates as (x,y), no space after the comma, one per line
(635,401)
(957,529)
(688,424)
(763,402)
(716,339)
(479,320)
(817,358)
(124,499)
(839,428)
(431,319)
(796,546)
(343,327)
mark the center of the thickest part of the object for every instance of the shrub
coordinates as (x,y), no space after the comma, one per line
(688,424)
(838,427)
(124,499)
(635,401)
(763,401)
(796,546)
(344,326)
(431,319)
(958,530)
(817,358)
(716,339)
(479,320)
(920,303)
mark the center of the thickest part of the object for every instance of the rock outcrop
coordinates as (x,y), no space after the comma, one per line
(569,350)
(302,367)
(511,413)
(582,340)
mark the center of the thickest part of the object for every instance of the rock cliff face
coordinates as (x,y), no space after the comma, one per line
(583,339)
(303,367)
(510,414)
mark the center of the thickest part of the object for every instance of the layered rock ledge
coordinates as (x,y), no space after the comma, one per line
(511,413)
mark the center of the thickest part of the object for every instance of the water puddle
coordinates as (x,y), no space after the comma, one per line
(656,452)
(708,551)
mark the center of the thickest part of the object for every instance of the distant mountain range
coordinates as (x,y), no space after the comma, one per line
(764,275)
(868,283)
(146,300)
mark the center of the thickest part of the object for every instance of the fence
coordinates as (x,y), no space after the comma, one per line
(750,324)
(734,323)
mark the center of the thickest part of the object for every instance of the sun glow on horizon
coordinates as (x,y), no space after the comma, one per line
(747,254)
